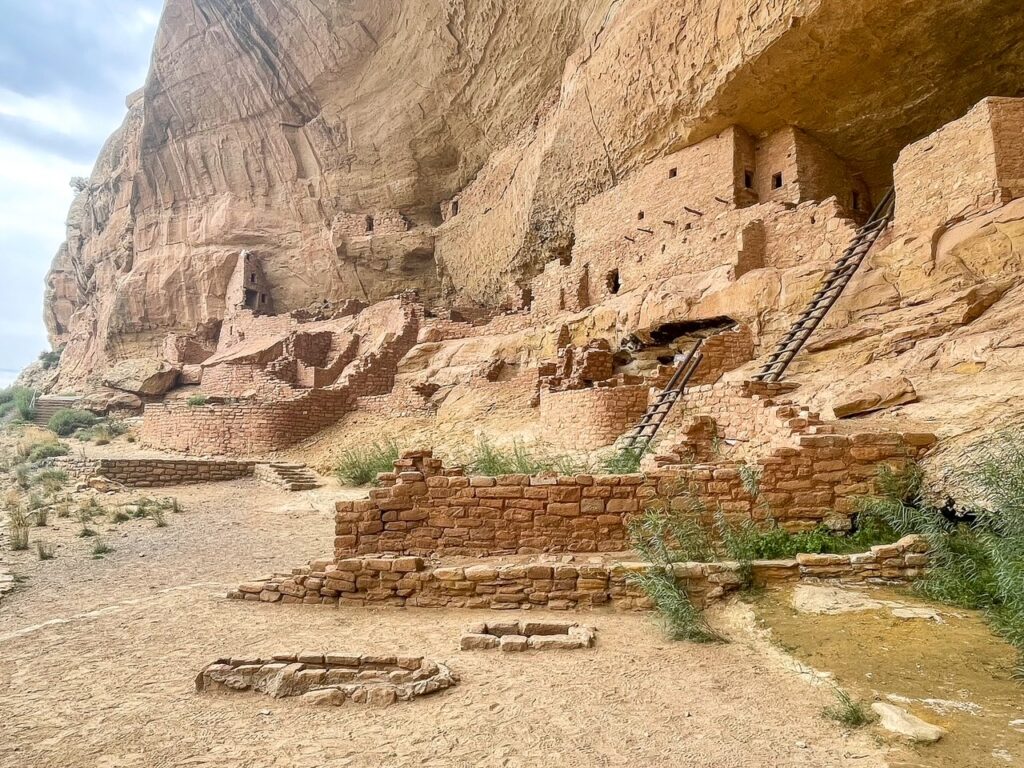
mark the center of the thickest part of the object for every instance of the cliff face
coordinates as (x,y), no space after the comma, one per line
(331,138)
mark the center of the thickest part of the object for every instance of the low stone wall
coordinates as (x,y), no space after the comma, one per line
(412,582)
(152,473)
(584,419)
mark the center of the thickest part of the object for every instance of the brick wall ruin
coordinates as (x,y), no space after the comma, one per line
(153,473)
(257,426)
(423,508)
(412,582)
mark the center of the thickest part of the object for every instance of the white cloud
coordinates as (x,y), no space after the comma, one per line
(59,115)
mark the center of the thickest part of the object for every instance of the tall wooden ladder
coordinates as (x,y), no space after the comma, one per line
(642,435)
(828,294)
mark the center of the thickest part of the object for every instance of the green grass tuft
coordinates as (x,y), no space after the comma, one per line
(360,466)
(852,714)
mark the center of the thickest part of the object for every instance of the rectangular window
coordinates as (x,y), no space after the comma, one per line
(673,172)
(777,181)
(748,179)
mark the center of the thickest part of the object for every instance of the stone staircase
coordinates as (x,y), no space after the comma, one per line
(291,477)
(46,406)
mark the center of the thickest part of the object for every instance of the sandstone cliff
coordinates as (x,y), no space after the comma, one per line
(292,128)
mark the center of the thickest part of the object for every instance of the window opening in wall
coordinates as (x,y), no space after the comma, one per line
(612,281)
(777,181)
(369,223)
(640,216)
(263,298)
(748,179)
(252,277)
(673,172)
(855,195)
(250,299)
(455,207)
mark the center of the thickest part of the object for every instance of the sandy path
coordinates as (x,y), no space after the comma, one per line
(111,684)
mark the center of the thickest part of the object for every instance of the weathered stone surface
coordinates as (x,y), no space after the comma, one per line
(899,721)
(875,396)
(142,376)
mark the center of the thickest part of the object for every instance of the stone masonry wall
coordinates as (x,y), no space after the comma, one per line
(966,167)
(424,509)
(411,582)
(152,473)
(590,418)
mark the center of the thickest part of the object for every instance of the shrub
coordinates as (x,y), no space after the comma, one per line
(360,466)
(44,551)
(23,477)
(197,400)
(976,564)
(100,548)
(67,421)
(50,359)
(25,403)
(17,526)
(47,451)
(853,714)
(51,480)
(663,538)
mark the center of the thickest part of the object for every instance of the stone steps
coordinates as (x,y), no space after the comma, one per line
(291,477)
(46,407)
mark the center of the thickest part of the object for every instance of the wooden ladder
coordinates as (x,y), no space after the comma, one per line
(642,435)
(828,294)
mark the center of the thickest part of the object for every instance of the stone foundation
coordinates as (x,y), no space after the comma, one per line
(412,582)
(331,678)
(522,635)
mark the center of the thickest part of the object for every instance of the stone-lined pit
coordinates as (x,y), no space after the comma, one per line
(526,634)
(331,678)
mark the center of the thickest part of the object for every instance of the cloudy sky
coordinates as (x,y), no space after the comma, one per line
(65,69)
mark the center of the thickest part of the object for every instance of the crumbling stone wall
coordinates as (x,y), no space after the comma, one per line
(258,426)
(412,582)
(423,508)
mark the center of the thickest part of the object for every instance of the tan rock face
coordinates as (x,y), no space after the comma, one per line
(368,147)
(142,376)
(874,396)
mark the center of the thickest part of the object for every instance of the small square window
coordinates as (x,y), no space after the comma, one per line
(640,216)
(777,181)
(673,172)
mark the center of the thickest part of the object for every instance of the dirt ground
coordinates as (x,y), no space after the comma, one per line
(98,657)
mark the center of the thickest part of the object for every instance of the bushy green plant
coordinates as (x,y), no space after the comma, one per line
(977,565)
(197,400)
(50,359)
(360,466)
(67,421)
(47,451)
(23,476)
(25,403)
(51,480)
(682,620)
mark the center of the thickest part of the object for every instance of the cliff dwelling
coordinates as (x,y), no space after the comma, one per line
(385,333)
